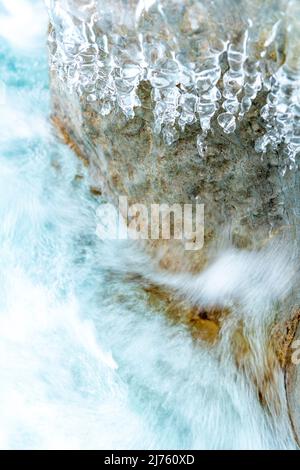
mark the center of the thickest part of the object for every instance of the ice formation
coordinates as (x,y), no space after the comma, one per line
(206,61)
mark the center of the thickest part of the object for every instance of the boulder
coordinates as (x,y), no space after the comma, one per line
(188,102)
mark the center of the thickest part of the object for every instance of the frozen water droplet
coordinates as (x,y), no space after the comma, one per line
(131,71)
(231,105)
(245,104)
(106,108)
(205,123)
(227,122)
(91,98)
(170,135)
(261,144)
(201,146)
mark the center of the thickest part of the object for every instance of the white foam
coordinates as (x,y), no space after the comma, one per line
(20,118)
(24,24)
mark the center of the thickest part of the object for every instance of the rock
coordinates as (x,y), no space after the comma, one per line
(249,197)
(194,102)
(292,381)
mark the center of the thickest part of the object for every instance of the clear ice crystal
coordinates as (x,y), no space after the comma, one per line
(227,122)
(205,61)
(281,113)
(201,145)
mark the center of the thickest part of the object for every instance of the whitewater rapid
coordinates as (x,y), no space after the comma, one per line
(84,361)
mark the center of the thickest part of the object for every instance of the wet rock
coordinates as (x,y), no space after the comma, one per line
(192,102)
(155,136)
(292,380)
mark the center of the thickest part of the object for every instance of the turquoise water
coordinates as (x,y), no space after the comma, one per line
(84,363)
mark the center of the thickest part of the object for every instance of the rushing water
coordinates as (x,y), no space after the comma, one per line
(84,362)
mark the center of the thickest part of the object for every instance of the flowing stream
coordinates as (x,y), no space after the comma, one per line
(84,361)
